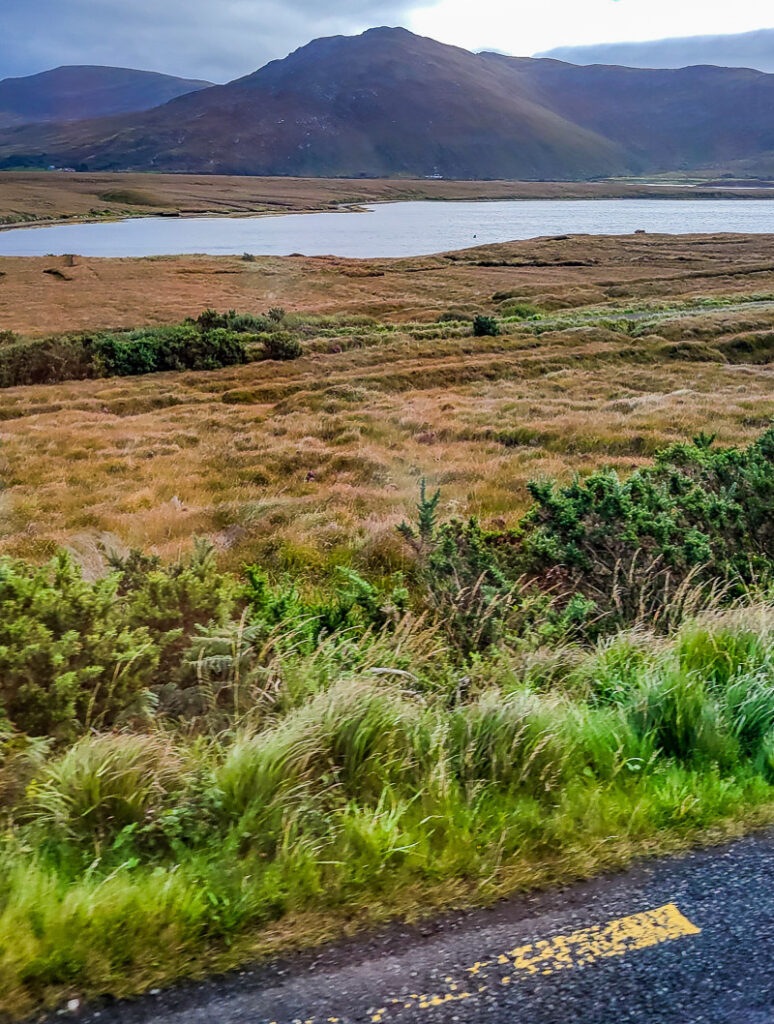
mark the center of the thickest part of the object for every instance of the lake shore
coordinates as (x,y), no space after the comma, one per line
(52,197)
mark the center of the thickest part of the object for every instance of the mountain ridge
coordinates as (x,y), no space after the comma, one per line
(389,103)
(73,92)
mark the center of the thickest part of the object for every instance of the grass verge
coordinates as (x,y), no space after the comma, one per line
(356,792)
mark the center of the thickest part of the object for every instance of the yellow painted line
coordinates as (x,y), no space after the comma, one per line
(545,957)
(626,935)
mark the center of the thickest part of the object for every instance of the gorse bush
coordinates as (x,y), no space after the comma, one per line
(485,326)
(170,348)
(44,361)
(464,585)
(699,512)
(693,529)
(69,657)
(239,323)
(211,341)
(281,346)
(173,639)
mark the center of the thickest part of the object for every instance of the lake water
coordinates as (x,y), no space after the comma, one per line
(391,229)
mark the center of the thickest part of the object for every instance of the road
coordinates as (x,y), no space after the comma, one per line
(676,941)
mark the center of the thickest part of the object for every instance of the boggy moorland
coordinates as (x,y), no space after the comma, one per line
(455,580)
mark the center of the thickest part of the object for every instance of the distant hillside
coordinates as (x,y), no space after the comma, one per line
(746,50)
(389,103)
(75,93)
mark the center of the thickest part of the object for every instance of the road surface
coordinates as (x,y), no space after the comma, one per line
(676,941)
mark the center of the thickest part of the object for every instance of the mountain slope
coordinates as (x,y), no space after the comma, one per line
(389,103)
(743,50)
(663,119)
(384,103)
(77,92)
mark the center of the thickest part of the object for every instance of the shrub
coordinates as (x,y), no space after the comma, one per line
(282,346)
(213,341)
(240,323)
(354,606)
(485,326)
(171,601)
(465,586)
(68,657)
(44,362)
(168,348)
(698,514)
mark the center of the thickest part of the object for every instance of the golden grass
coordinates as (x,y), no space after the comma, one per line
(314,462)
(51,196)
(552,272)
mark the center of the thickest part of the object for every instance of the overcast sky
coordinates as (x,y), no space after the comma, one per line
(223,39)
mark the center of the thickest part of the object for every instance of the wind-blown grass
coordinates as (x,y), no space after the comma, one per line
(361,793)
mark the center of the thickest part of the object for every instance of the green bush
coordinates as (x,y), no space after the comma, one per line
(218,340)
(281,345)
(170,601)
(45,361)
(698,514)
(486,326)
(239,323)
(69,659)
(166,348)
(464,585)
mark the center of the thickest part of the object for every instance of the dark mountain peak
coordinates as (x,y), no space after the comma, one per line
(73,92)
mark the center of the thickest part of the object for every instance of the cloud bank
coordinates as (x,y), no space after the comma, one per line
(214,39)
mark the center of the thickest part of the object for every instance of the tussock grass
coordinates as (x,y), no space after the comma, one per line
(133,859)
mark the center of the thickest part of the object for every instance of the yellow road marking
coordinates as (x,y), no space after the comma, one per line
(617,938)
(578,949)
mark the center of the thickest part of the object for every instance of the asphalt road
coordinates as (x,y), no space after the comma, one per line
(680,940)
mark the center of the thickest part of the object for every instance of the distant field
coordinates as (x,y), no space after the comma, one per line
(30,196)
(641,341)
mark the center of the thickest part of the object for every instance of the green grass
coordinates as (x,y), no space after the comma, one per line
(355,789)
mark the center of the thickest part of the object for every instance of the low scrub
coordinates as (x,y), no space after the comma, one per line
(211,341)
(693,529)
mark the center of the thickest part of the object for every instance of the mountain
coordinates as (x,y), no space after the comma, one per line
(745,50)
(75,93)
(390,103)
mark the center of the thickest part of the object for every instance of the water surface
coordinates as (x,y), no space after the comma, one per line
(392,229)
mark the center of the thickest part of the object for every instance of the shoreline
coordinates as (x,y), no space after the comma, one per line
(231,196)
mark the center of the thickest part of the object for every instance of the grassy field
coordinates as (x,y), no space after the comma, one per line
(242,711)
(313,462)
(29,196)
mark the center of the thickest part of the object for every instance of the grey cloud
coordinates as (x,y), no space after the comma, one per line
(193,38)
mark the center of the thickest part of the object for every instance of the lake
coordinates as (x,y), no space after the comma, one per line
(391,229)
